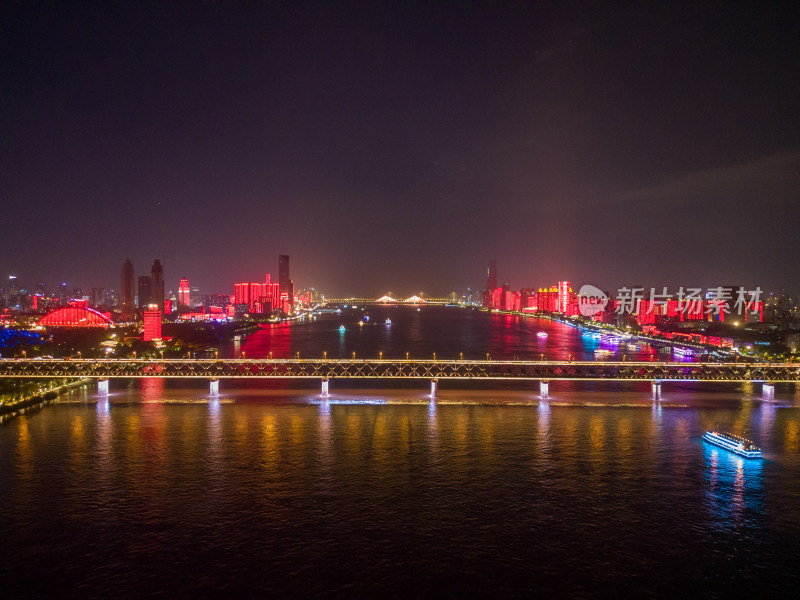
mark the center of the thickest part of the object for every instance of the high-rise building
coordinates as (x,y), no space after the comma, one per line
(184,292)
(145,291)
(283,274)
(157,285)
(241,292)
(563,296)
(97,297)
(152,323)
(491,280)
(128,312)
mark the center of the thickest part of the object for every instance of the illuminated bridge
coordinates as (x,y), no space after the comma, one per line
(433,370)
(387,301)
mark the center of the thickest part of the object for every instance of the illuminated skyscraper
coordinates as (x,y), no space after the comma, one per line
(241,293)
(152,323)
(491,281)
(128,312)
(563,296)
(283,274)
(184,292)
(157,285)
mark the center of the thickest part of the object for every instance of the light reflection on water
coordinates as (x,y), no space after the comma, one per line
(303,479)
(734,487)
(272,490)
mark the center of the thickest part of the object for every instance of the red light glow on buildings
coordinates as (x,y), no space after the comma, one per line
(184,293)
(152,323)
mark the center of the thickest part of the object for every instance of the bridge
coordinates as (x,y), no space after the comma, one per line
(387,301)
(433,370)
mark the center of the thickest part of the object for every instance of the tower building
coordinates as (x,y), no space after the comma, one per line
(283,274)
(128,312)
(145,291)
(157,285)
(491,280)
(184,292)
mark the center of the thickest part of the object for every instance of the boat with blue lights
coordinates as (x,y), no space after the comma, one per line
(733,443)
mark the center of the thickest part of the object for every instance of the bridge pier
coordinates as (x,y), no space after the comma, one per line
(655,388)
(324,387)
(768,391)
(434,387)
(102,387)
(544,390)
(213,388)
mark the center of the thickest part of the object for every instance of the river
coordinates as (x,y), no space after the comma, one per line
(490,491)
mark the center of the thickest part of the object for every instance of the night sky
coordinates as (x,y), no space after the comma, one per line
(400,146)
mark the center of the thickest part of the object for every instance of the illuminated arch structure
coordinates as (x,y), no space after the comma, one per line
(75,316)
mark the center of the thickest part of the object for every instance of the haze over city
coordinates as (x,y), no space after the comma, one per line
(401,146)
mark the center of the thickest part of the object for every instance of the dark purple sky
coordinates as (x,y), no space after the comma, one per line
(400,146)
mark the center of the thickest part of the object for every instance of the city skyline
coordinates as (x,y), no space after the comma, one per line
(433,138)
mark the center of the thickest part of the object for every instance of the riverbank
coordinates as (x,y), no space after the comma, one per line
(36,401)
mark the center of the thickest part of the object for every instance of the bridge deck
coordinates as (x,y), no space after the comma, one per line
(387,368)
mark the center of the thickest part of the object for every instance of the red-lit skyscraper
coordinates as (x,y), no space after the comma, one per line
(241,293)
(152,323)
(563,296)
(184,292)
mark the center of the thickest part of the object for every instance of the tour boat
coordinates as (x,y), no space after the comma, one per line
(542,334)
(683,351)
(602,352)
(733,443)
(388,322)
(342,329)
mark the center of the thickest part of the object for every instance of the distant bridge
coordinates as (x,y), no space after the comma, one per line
(389,301)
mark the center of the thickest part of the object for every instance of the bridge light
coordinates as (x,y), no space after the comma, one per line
(380,355)
(406,355)
(354,355)
(325,354)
